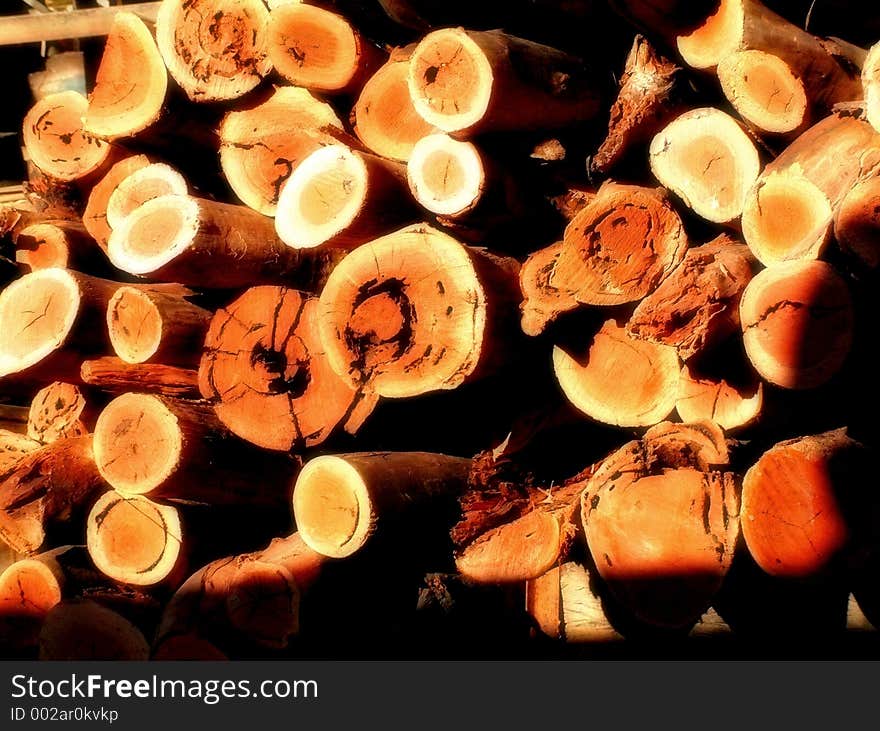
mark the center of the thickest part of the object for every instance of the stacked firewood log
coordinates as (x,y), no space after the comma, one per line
(371,328)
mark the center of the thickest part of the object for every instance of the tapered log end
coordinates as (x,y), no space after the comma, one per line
(446,176)
(143,185)
(134,324)
(84,630)
(716,38)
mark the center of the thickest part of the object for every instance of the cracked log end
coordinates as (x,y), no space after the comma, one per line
(730,405)
(764,90)
(708,161)
(446,176)
(95,214)
(797,322)
(215,49)
(84,630)
(133,540)
(857,223)
(720,35)
(261,145)
(623,381)
(141,186)
(55,140)
(131,81)
(42,246)
(56,412)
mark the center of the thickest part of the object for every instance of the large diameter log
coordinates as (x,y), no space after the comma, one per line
(141,186)
(416,311)
(340,501)
(797,323)
(215,49)
(84,630)
(788,214)
(131,81)
(871,85)
(708,161)
(476,81)
(116,376)
(95,214)
(203,243)
(58,411)
(857,222)
(265,371)
(47,486)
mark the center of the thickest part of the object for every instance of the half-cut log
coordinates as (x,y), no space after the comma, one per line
(134,540)
(214,49)
(95,214)
(130,84)
(315,48)
(803,504)
(340,501)
(857,222)
(698,304)
(117,376)
(14,447)
(58,411)
(478,81)
(55,243)
(797,323)
(262,144)
(203,243)
(708,161)
(729,404)
(158,326)
(84,630)
(623,381)
(788,214)
(56,141)
(871,86)
(416,311)
(141,186)
(267,375)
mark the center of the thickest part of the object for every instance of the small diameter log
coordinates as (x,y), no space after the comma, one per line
(340,501)
(58,411)
(54,243)
(341,197)
(871,86)
(479,81)
(261,144)
(141,186)
(134,540)
(84,630)
(698,304)
(857,222)
(130,84)
(765,91)
(788,214)
(203,243)
(661,527)
(797,323)
(623,381)
(729,404)
(14,447)
(384,117)
(214,49)
(156,326)
(46,486)
(412,312)
(649,98)
(803,503)
(318,49)
(267,375)
(117,376)
(707,160)
(56,141)
(95,214)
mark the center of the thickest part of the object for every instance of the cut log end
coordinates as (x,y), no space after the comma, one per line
(141,186)
(857,223)
(446,176)
(56,412)
(720,35)
(133,540)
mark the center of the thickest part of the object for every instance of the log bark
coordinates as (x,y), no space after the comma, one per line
(857,223)
(797,323)
(141,186)
(268,377)
(59,411)
(95,214)
(84,630)
(117,376)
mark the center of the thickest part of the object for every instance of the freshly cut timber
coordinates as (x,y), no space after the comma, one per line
(156,326)
(55,243)
(604,258)
(95,214)
(134,540)
(623,381)
(797,323)
(803,504)
(116,376)
(478,81)
(267,375)
(871,85)
(262,144)
(169,448)
(58,411)
(48,485)
(708,161)
(661,529)
(141,186)
(412,312)
(56,141)
(788,214)
(341,197)
(84,630)
(215,49)
(384,117)
(698,304)
(340,501)
(130,84)
(315,48)
(14,447)
(857,222)
(729,404)
(204,243)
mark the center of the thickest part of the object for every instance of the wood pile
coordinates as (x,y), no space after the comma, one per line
(396,327)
